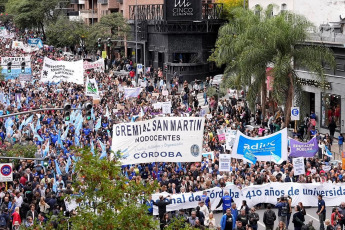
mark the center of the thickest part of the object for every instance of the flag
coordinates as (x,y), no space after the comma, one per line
(327,152)
(107,114)
(38,125)
(54,184)
(29,120)
(19,105)
(59,141)
(76,140)
(64,135)
(92,147)
(93,115)
(249,156)
(104,151)
(57,168)
(46,150)
(141,112)
(134,118)
(69,162)
(276,158)
(98,124)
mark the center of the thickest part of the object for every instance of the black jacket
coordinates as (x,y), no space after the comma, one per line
(162,206)
(298,219)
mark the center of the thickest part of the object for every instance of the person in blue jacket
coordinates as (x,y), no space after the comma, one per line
(234,213)
(226,201)
(227,221)
(206,199)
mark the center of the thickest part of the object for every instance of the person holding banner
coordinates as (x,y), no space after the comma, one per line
(226,201)
(162,205)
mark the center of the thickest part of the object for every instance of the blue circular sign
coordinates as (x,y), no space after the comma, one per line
(6,170)
(295,112)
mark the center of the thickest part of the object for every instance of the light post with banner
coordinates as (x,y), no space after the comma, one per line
(295,116)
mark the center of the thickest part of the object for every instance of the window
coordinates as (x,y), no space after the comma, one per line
(270,10)
(330,109)
(257,10)
(283,8)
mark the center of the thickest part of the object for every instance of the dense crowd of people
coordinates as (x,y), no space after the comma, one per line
(35,196)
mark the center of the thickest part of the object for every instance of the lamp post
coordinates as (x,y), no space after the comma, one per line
(136,31)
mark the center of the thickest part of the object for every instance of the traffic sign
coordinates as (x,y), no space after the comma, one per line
(6,172)
(295,113)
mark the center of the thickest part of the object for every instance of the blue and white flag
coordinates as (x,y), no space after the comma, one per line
(69,162)
(57,168)
(93,115)
(327,152)
(64,135)
(46,150)
(92,147)
(249,157)
(29,120)
(141,112)
(268,148)
(38,125)
(98,124)
(104,151)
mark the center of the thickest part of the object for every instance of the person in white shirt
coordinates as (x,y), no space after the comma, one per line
(203,208)
(19,199)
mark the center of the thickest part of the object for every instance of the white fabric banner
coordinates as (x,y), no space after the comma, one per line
(131,92)
(333,195)
(298,166)
(97,66)
(162,139)
(224,162)
(55,71)
(91,88)
(16,61)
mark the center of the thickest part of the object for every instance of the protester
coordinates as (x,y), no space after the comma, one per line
(269,218)
(227,220)
(321,211)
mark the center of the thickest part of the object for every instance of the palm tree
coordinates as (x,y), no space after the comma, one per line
(251,42)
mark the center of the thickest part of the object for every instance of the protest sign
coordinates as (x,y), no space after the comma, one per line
(16,61)
(25,77)
(333,194)
(162,139)
(91,88)
(166,107)
(35,42)
(299,149)
(56,71)
(157,105)
(268,148)
(131,92)
(165,92)
(209,155)
(17,45)
(298,166)
(230,137)
(221,134)
(97,66)
(224,162)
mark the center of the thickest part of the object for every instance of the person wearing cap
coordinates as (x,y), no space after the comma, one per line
(226,201)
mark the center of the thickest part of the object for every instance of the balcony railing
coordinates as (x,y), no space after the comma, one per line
(74,1)
(103,2)
(88,13)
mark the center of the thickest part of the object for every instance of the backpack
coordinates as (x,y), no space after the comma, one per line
(270,218)
(284,210)
(3,222)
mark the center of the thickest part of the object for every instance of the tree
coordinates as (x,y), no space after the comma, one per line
(35,13)
(112,26)
(252,42)
(113,201)
(65,32)
(229,5)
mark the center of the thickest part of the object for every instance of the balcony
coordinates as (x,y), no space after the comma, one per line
(88,13)
(74,1)
(73,13)
(102,2)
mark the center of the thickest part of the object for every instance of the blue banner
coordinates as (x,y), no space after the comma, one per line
(37,42)
(268,148)
(14,73)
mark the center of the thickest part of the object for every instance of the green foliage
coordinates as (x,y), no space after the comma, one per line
(19,150)
(34,13)
(211,91)
(65,32)
(112,26)
(115,202)
(250,43)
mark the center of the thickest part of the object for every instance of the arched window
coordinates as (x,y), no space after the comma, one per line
(257,10)
(283,8)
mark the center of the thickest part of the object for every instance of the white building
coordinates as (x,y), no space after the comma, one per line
(327,17)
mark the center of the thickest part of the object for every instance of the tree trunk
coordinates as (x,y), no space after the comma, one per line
(44,34)
(288,103)
(263,98)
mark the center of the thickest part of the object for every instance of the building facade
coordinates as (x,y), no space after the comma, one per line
(328,17)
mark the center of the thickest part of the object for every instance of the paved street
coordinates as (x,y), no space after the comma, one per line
(311,216)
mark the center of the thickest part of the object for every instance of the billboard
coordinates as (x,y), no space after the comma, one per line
(183,10)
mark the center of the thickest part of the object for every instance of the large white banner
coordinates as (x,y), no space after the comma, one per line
(16,61)
(269,148)
(333,194)
(162,139)
(97,66)
(55,71)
